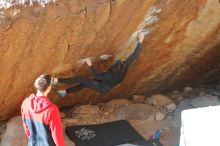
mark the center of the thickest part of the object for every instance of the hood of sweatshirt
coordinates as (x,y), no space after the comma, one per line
(38,104)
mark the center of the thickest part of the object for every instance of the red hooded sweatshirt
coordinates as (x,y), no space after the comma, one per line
(42,122)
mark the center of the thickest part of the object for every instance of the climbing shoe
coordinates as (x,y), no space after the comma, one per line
(61,93)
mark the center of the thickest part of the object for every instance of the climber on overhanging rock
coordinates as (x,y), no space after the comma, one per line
(101,82)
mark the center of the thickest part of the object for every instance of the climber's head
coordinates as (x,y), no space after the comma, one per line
(42,83)
(118,67)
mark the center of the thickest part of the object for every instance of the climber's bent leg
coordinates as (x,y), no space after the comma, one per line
(75,88)
(72,80)
(88,83)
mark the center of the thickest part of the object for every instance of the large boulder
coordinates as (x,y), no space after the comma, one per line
(204,101)
(37,38)
(184,105)
(15,135)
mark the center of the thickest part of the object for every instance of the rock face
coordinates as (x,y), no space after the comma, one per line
(52,38)
(14,134)
(159,100)
(176,121)
(134,112)
(204,101)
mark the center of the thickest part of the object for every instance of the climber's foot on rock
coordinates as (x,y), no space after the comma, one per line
(61,93)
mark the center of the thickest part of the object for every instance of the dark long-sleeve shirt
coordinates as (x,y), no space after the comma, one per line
(114,75)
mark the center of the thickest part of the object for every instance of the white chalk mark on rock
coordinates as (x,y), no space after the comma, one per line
(9,3)
(82,61)
(105,56)
(5,22)
(151,20)
(16,12)
(154,10)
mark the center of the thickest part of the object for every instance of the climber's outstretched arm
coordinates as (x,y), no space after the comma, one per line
(137,50)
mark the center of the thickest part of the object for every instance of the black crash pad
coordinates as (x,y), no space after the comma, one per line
(107,134)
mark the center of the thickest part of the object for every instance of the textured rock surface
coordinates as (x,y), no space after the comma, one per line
(160,116)
(134,112)
(184,37)
(15,136)
(117,103)
(138,99)
(159,100)
(204,101)
(176,121)
(87,109)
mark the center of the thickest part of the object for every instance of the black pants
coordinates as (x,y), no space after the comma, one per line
(97,85)
(82,82)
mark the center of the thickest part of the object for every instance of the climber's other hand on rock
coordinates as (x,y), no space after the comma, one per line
(88,61)
(140,37)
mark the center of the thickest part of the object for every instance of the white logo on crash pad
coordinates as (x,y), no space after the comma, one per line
(84,133)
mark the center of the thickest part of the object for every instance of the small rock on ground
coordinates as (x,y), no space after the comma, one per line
(117,103)
(87,109)
(175,94)
(138,99)
(159,100)
(171,107)
(160,116)
(188,90)
(204,101)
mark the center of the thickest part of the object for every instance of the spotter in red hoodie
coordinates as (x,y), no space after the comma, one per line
(42,122)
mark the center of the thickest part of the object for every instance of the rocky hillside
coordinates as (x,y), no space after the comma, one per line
(183,46)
